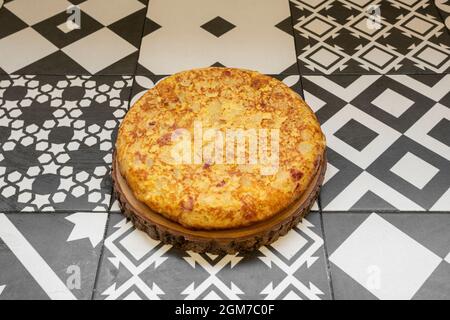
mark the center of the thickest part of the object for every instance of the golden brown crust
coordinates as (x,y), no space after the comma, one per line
(208,195)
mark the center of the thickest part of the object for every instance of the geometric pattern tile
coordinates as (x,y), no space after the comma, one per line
(66,37)
(177,37)
(388,141)
(56,135)
(388,256)
(34,259)
(134,266)
(444,9)
(375,37)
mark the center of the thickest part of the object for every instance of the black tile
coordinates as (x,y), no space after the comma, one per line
(356,134)
(218,26)
(441,132)
(50,257)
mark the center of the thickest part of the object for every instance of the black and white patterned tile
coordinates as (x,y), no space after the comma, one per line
(388,141)
(56,141)
(134,266)
(389,256)
(71,37)
(50,256)
(249,34)
(444,8)
(370,36)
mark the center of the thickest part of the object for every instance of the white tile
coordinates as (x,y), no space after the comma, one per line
(289,244)
(414,170)
(99,50)
(23,48)
(314,102)
(312,3)
(324,57)
(138,244)
(447,258)
(419,25)
(393,102)
(318,26)
(408,2)
(182,44)
(385,260)
(68,26)
(110,11)
(419,131)
(432,56)
(360,3)
(443,204)
(378,57)
(330,173)
(34,11)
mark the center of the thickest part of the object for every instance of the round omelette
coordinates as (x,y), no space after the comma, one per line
(219,148)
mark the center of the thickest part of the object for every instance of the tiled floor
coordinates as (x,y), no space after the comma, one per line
(381,229)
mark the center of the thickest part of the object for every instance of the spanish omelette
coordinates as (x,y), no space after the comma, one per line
(210,194)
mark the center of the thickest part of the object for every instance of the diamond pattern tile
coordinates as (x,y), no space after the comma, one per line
(43,37)
(370,37)
(387,256)
(386,141)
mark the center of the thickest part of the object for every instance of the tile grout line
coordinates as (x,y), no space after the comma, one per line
(440,13)
(102,249)
(325,248)
(297,60)
(140,47)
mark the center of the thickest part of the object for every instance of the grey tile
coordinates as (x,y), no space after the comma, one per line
(134,266)
(56,141)
(388,255)
(49,256)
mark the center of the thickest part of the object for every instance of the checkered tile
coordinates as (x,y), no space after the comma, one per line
(43,36)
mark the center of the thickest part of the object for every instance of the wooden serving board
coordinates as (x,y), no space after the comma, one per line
(215,241)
